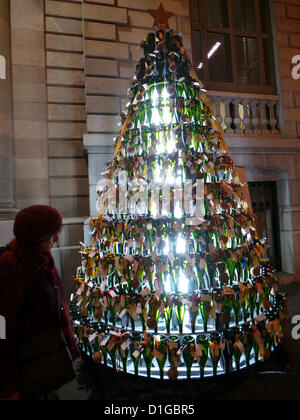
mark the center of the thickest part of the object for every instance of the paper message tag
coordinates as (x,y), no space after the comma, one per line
(260,318)
(105,340)
(171,257)
(205,298)
(157,354)
(123,313)
(241,347)
(112,294)
(93,337)
(171,345)
(202,263)
(222,344)
(145,292)
(111,345)
(125,345)
(180,350)
(139,308)
(138,352)
(80,290)
(198,350)
(133,313)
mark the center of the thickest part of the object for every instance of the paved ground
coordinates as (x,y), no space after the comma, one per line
(278,379)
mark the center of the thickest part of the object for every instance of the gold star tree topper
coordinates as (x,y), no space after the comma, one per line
(161,17)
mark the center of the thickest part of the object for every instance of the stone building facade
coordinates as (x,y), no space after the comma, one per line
(68,67)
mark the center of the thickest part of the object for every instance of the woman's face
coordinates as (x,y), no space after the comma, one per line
(47,245)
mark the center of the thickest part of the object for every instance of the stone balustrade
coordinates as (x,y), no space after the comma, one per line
(246,114)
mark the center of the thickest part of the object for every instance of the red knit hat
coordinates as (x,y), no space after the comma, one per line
(37,224)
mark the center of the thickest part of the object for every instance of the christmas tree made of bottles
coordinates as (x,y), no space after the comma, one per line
(157,295)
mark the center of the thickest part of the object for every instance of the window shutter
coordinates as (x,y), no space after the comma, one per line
(248,60)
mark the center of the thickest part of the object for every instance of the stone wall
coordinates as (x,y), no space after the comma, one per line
(286,17)
(113,32)
(66,107)
(66,117)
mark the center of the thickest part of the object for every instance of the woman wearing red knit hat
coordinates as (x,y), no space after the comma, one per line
(38,353)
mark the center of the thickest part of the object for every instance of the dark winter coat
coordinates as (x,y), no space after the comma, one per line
(28,300)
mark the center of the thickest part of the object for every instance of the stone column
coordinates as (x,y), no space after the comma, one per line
(30,142)
(6,164)
(7,202)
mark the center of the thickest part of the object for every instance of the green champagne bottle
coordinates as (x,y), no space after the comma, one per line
(124,357)
(148,353)
(228,305)
(214,343)
(168,312)
(245,305)
(237,304)
(203,341)
(162,348)
(189,343)
(205,307)
(238,347)
(136,351)
(180,312)
(173,343)
(227,354)
(112,351)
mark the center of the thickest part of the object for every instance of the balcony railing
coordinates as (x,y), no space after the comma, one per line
(246,114)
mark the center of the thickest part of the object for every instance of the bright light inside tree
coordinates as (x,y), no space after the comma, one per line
(178,211)
(165,94)
(157,175)
(167,247)
(181,245)
(183,283)
(155,97)
(155,117)
(160,148)
(167,118)
(168,284)
(171,143)
(171,180)
(154,210)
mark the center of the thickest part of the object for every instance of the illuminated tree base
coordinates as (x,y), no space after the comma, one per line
(195,373)
(228,360)
(182,373)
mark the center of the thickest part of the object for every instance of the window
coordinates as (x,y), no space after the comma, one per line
(265,206)
(232,45)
